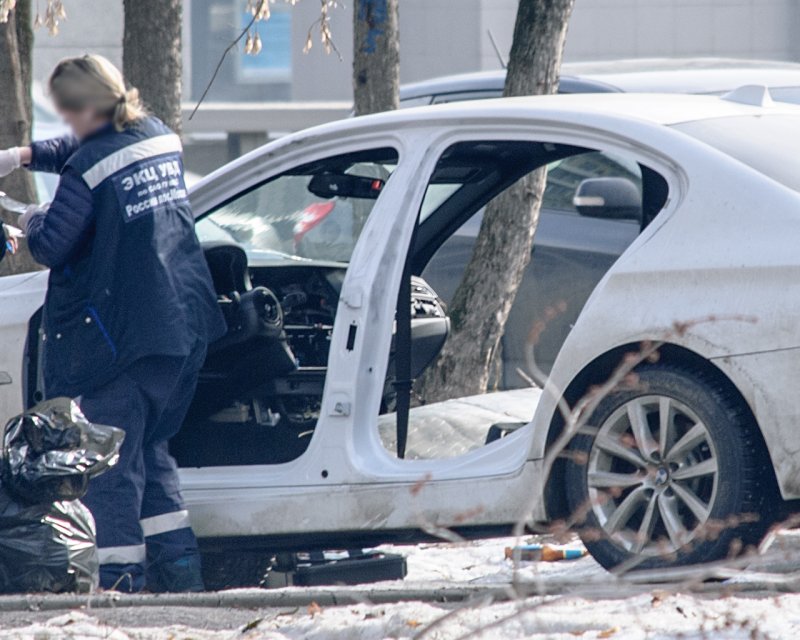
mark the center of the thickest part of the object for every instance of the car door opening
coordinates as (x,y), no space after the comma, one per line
(594,205)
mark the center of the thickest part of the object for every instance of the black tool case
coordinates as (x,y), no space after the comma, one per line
(321,568)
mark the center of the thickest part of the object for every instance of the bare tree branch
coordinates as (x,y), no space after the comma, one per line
(225,53)
(260,12)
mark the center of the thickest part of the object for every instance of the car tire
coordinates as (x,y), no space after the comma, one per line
(699,494)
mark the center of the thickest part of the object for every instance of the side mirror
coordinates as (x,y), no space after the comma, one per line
(609,198)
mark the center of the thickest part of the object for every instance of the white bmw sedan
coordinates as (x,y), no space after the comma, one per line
(679,371)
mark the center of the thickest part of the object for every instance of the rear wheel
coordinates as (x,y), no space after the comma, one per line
(674,473)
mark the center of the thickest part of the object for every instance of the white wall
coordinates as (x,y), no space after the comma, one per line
(438,37)
(640,28)
(92,26)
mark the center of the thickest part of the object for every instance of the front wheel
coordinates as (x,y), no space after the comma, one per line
(674,472)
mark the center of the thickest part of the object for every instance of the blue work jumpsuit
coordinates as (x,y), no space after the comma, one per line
(130,310)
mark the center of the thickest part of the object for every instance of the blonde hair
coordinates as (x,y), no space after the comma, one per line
(92,81)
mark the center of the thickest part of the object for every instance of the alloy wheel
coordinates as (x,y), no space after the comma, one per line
(652,475)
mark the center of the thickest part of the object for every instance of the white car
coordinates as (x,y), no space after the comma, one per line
(282,447)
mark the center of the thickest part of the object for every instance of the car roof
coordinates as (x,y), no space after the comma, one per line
(664,75)
(588,110)
(621,112)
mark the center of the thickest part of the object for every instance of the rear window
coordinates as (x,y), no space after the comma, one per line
(768,144)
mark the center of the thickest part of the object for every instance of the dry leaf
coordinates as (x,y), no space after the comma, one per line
(251,625)
(607,633)
(314,609)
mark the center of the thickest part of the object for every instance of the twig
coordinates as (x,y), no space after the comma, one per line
(325,32)
(225,53)
(324,27)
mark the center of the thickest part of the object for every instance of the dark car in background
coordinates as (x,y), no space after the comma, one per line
(643,75)
(573,249)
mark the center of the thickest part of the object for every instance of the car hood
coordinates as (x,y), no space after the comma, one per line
(23,279)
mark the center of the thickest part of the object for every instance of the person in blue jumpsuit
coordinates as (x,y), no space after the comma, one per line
(130,310)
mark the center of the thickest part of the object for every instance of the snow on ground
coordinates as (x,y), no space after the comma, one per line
(601,611)
(648,616)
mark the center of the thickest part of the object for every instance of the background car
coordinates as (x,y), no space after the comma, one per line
(639,75)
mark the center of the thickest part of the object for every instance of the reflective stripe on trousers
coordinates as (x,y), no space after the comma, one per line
(132,554)
(137,553)
(165,523)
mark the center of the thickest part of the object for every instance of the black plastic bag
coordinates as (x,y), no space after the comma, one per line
(47,537)
(48,547)
(51,452)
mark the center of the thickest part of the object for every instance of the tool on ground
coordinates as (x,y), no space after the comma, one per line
(543,553)
(315,568)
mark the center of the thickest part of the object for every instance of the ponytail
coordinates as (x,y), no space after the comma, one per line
(129,109)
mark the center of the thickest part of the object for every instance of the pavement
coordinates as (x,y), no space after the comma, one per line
(453,591)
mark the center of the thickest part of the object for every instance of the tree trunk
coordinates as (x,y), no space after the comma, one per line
(23,25)
(376,60)
(151,55)
(15,123)
(483,300)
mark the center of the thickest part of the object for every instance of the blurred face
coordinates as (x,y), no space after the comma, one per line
(83,122)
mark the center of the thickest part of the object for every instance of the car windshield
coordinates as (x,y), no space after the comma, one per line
(765,143)
(315,212)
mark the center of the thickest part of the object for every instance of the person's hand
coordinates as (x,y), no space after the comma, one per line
(10,159)
(32,211)
(12,238)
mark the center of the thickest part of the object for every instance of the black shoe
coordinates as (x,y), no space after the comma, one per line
(176,576)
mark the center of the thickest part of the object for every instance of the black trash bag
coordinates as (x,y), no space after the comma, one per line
(51,451)
(47,547)
(47,537)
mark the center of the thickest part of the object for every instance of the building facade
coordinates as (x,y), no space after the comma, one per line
(438,37)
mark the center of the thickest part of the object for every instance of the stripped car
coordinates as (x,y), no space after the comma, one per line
(281,449)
